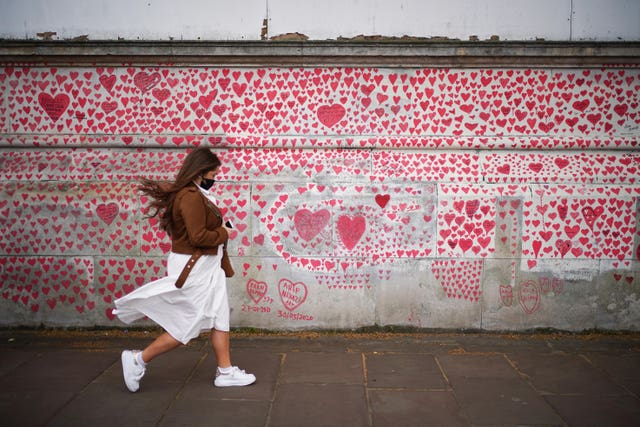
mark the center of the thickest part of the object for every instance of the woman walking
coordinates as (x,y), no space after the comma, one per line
(193,296)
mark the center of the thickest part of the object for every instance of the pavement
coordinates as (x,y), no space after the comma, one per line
(74,378)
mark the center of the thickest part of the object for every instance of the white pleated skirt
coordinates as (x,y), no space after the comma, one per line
(200,305)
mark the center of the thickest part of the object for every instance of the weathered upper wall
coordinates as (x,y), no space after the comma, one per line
(564,20)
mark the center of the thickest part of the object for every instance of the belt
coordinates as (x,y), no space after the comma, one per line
(187,268)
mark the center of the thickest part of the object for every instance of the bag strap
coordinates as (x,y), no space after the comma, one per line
(187,268)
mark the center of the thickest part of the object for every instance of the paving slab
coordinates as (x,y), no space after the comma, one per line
(11,359)
(233,412)
(565,374)
(57,370)
(499,401)
(412,371)
(597,411)
(419,408)
(623,369)
(479,365)
(320,367)
(109,404)
(31,408)
(320,405)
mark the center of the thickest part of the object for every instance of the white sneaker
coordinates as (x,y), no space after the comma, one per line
(237,377)
(131,370)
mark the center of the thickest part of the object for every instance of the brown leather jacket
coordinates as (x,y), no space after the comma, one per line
(197,224)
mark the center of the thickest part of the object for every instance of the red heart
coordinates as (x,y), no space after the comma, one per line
(292,294)
(581,105)
(529,296)
(506,295)
(536,167)
(145,82)
(108,82)
(161,94)
(382,199)
(465,244)
(54,107)
(561,163)
(563,246)
(309,224)
(107,212)
(256,290)
(504,169)
(351,230)
(471,206)
(108,107)
(590,214)
(329,115)
(620,109)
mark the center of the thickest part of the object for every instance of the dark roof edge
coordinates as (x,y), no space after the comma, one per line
(314,53)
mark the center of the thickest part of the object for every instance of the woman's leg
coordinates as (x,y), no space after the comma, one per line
(220,344)
(162,344)
(227,375)
(133,370)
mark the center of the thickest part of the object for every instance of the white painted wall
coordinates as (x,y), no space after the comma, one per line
(606,20)
(133,19)
(601,20)
(509,19)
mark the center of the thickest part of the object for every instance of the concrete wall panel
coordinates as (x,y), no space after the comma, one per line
(476,198)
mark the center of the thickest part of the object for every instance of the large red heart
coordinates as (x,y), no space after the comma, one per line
(292,294)
(471,206)
(107,212)
(54,107)
(506,295)
(309,224)
(145,82)
(108,82)
(351,230)
(563,246)
(329,115)
(590,214)
(256,290)
(529,296)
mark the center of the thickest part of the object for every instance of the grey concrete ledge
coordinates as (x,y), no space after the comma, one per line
(324,53)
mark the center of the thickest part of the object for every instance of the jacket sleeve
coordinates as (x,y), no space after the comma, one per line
(194,211)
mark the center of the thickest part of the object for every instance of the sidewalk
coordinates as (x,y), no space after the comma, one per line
(63,378)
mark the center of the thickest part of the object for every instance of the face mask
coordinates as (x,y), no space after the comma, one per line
(206,183)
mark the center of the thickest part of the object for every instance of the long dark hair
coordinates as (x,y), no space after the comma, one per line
(162,193)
